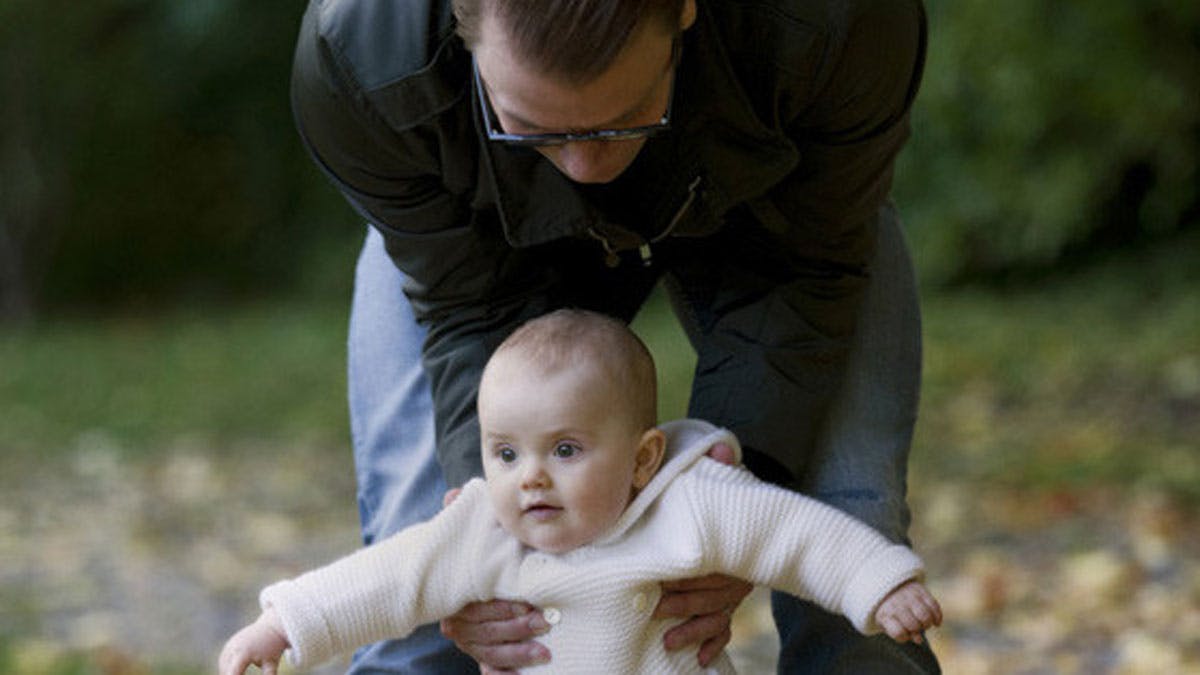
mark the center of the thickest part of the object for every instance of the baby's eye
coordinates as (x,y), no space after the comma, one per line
(507,455)
(565,450)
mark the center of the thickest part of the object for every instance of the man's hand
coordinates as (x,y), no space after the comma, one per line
(908,611)
(261,644)
(707,602)
(499,635)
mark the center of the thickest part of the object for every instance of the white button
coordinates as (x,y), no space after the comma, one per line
(552,615)
(639,602)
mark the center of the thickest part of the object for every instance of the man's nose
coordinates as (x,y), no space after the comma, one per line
(583,161)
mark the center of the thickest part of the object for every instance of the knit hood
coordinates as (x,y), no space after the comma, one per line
(688,441)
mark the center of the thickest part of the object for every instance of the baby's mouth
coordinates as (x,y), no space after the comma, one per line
(542,511)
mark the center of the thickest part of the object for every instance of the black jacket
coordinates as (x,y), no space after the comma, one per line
(760,205)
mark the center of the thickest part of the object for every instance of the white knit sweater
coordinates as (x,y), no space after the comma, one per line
(697,516)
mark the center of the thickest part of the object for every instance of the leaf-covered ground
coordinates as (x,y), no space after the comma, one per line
(120,565)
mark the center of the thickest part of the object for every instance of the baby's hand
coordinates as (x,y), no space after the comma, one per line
(261,643)
(908,611)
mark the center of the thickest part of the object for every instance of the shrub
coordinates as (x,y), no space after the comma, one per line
(1044,127)
(149,153)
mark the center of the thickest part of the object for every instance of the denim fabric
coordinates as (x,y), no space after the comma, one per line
(858,466)
(391,421)
(860,462)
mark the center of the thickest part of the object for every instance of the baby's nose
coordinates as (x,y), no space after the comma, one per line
(535,478)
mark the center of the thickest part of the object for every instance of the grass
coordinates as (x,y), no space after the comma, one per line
(1095,377)
(136,383)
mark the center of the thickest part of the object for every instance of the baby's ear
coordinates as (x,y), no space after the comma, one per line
(651,449)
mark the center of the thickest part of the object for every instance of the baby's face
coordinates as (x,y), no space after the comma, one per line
(559,452)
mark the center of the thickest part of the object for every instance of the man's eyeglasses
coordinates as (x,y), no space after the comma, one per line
(497,134)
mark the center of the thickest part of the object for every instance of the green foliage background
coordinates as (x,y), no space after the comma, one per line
(1047,130)
(148,153)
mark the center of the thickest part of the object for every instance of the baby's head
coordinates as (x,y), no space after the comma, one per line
(567,412)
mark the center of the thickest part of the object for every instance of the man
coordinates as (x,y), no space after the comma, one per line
(519,156)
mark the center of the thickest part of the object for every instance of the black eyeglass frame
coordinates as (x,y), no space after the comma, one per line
(491,123)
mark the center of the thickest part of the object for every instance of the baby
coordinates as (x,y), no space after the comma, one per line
(587,506)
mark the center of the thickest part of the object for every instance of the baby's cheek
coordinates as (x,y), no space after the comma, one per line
(502,505)
(606,509)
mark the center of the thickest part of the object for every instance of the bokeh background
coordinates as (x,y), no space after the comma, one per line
(174,289)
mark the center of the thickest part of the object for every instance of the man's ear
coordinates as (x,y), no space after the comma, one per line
(651,449)
(688,16)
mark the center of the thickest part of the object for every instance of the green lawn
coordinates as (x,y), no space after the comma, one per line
(273,371)
(1095,377)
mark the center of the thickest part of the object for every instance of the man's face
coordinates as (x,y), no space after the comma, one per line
(633,92)
(559,452)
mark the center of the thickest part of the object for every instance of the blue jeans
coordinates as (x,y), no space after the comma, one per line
(859,466)
(391,424)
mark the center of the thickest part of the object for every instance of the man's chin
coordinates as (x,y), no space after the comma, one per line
(594,177)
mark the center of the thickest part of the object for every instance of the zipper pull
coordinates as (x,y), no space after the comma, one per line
(647,256)
(611,259)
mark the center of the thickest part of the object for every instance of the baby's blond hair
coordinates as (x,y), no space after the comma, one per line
(574,337)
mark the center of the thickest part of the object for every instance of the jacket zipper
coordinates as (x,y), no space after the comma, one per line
(612,258)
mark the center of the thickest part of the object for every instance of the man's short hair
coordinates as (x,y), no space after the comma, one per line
(576,40)
(573,338)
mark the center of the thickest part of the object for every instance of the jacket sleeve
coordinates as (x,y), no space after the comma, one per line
(466,285)
(418,575)
(783,339)
(849,125)
(779,538)
(389,175)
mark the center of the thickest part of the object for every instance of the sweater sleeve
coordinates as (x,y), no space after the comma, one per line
(779,538)
(418,575)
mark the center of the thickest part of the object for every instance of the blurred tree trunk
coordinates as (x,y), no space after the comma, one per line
(25,219)
(16,305)
(18,185)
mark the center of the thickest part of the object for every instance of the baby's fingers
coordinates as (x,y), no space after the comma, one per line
(894,628)
(237,662)
(932,609)
(234,659)
(906,623)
